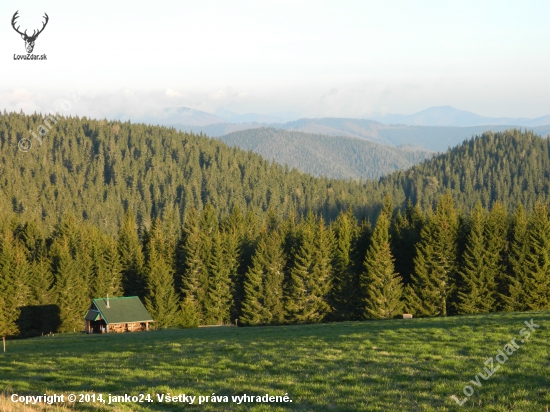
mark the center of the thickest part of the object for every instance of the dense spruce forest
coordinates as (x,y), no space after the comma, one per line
(96,170)
(332,156)
(205,234)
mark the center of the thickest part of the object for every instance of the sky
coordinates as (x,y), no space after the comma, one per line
(284,58)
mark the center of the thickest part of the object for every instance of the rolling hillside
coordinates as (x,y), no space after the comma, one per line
(96,170)
(511,167)
(321,155)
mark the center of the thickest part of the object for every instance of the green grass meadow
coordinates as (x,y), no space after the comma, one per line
(394,365)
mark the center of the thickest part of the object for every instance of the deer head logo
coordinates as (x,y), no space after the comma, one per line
(29,40)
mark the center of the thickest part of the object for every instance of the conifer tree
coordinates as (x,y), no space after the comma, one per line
(435,263)
(537,286)
(189,314)
(496,233)
(382,287)
(193,272)
(253,310)
(131,257)
(171,229)
(323,275)
(405,235)
(15,274)
(251,233)
(478,287)
(219,299)
(515,296)
(232,238)
(5,325)
(161,299)
(41,278)
(387,206)
(112,267)
(263,302)
(310,275)
(359,251)
(344,290)
(70,289)
(274,280)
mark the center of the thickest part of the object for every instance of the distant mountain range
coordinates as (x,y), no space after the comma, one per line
(197,118)
(433,116)
(331,156)
(180,115)
(433,138)
(449,116)
(231,117)
(434,129)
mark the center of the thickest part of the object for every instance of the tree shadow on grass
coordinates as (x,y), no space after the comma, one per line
(38,320)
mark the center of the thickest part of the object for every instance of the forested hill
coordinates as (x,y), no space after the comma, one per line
(95,170)
(511,167)
(331,156)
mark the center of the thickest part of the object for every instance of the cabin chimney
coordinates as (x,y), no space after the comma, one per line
(108,301)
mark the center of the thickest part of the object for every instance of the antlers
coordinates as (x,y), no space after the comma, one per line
(43,25)
(15,16)
(34,34)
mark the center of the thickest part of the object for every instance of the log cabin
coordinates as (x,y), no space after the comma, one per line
(115,315)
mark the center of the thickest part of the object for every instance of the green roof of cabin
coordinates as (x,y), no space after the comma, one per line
(120,310)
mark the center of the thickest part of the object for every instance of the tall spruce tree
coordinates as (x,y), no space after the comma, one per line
(477,293)
(515,296)
(359,251)
(131,257)
(497,229)
(435,263)
(161,299)
(537,285)
(70,288)
(344,289)
(311,273)
(219,297)
(232,237)
(382,287)
(41,280)
(194,274)
(15,275)
(263,302)
(405,235)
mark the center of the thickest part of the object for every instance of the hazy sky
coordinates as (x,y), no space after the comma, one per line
(303,58)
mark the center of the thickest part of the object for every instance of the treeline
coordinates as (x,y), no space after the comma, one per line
(272,270)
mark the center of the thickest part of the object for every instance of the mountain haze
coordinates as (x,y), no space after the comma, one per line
(432,138)
(322,155)
(449,116)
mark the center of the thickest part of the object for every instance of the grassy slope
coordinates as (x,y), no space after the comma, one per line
(396,365)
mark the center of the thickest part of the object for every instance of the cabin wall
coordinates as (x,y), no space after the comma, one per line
(126,327)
